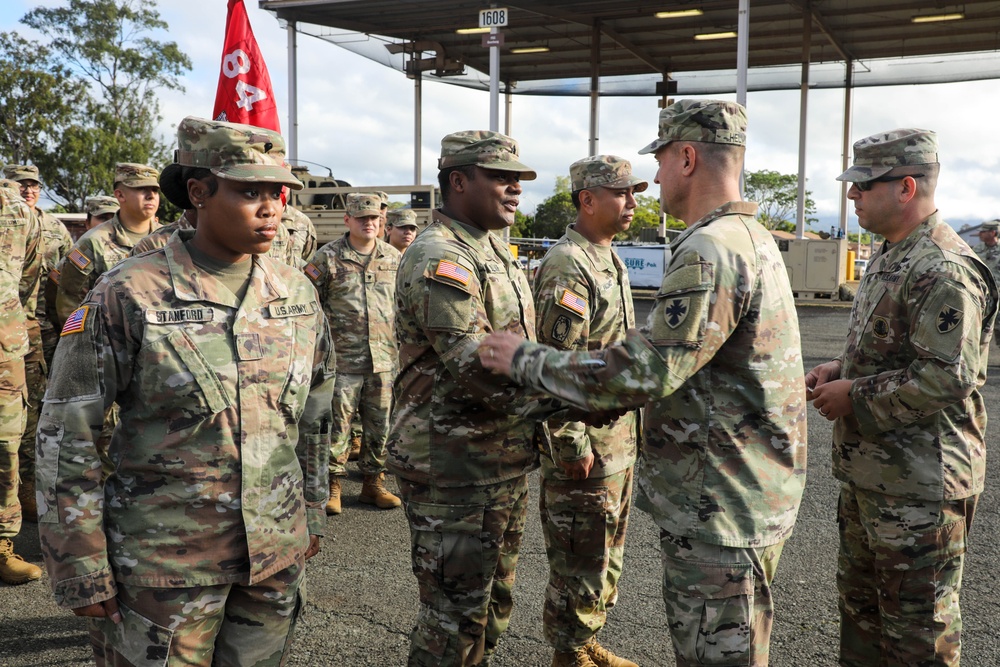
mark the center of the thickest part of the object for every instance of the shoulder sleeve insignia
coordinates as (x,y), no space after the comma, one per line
(312,271)
(449,269)
(573,301)
(79,259)
(677,311)
(948,319)
(76,322)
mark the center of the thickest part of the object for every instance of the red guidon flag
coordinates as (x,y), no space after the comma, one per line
(244,94)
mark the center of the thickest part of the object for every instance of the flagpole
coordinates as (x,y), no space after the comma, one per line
(293,104)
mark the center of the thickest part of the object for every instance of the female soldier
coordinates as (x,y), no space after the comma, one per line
(220,359)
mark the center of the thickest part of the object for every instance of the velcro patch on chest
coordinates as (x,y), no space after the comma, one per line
(453,271)
(292,309)
(80,260)
(76,322)
(178,315)
(570,300)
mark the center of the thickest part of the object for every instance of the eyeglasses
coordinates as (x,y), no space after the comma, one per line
(865,186)
(37,187)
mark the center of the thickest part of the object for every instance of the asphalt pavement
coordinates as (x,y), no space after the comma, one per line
(362,598)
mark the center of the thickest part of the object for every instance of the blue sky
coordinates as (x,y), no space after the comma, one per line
(356,117)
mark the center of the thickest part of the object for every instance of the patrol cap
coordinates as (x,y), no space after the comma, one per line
(990,226)
(609,171)
(877,155)
(101,205)
(231,151)
(21,172)
(482,148)
(133,175)
(707,121)
(384,198)
(361,204)
(401,217)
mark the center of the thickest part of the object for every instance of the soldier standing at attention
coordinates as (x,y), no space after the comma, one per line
(138,193)
(908,443)
(988,249)
(20,264)
(356,279)
(401,228)
(724,452)
(42,336)
(584,302)
(192,551)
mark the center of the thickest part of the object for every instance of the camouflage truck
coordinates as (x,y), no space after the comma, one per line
(323,199)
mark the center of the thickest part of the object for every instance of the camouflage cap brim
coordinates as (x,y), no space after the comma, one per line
(857,174)
(263,173)
(653,146)
(633,181)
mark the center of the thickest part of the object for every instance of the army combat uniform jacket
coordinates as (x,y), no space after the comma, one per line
(220,458)
(454,422)
(721,366)
(94,253)
(991,258)
(302,236)
(57,243)
(21,263)
(584,303)
(917,351)
(358,295)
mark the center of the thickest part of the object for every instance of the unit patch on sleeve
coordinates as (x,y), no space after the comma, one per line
(448,269)
(312,272)
(677,311)
(948,319)
(573,301)
(79,259)
(560,329)
(76,322)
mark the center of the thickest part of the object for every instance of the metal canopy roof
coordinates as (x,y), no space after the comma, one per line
(634,42)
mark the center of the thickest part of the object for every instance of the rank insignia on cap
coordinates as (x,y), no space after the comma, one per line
(312,272)
(948,319)
(677,311)
(76,321)
(78,258)
(574,302)
(449,269)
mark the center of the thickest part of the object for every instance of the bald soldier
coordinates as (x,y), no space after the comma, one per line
(718,369)
(584,302)
(909,420)
(401,228)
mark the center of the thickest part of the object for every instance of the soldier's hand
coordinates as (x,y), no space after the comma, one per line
(313,548)
(106,609)
(596,418)
(820,375)
(496,351)
(833,399)
(579,469)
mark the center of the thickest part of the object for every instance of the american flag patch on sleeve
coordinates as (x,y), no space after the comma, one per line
(574,302)
(312,272)
(78,258)
(449,269)
(76,321)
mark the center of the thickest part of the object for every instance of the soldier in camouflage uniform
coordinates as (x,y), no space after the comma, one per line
(100,209)
(138,193)
(42,335)
(584,302)
(20,260)
(401,228)
(724,452)
(192,551)
(302,233)
(462,439)
(356,279)
(988,249)
(908,442)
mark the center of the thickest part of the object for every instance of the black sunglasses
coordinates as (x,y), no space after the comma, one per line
(865,186)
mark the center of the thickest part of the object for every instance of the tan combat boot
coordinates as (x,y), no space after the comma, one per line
(355,450)
(373,492)
(577,658)
(602,657)
(26,496)
(13,569)
(333,504)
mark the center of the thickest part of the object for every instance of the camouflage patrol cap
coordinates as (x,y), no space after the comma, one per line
(990,226)
(232,151)
(384,198)
(21,172)
(100,205)
(482,148)
(361,204)
(707,121)
(133,175)
(401,217)
(609,171)
(877,155)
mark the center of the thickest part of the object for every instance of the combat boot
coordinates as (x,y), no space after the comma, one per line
(355,450)
(577,658)
(13,569)
(602,657)
(26,496)
(373,492)
(333,504)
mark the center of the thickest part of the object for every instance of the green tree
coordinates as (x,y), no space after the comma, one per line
(107,44)
(555,213)
(777,196)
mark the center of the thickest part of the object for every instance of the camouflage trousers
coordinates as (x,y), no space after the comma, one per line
(35,372)
(231,625)
(899,574)
(584,524)
(370,396)
(464,544)
(718,601)
(12,403)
